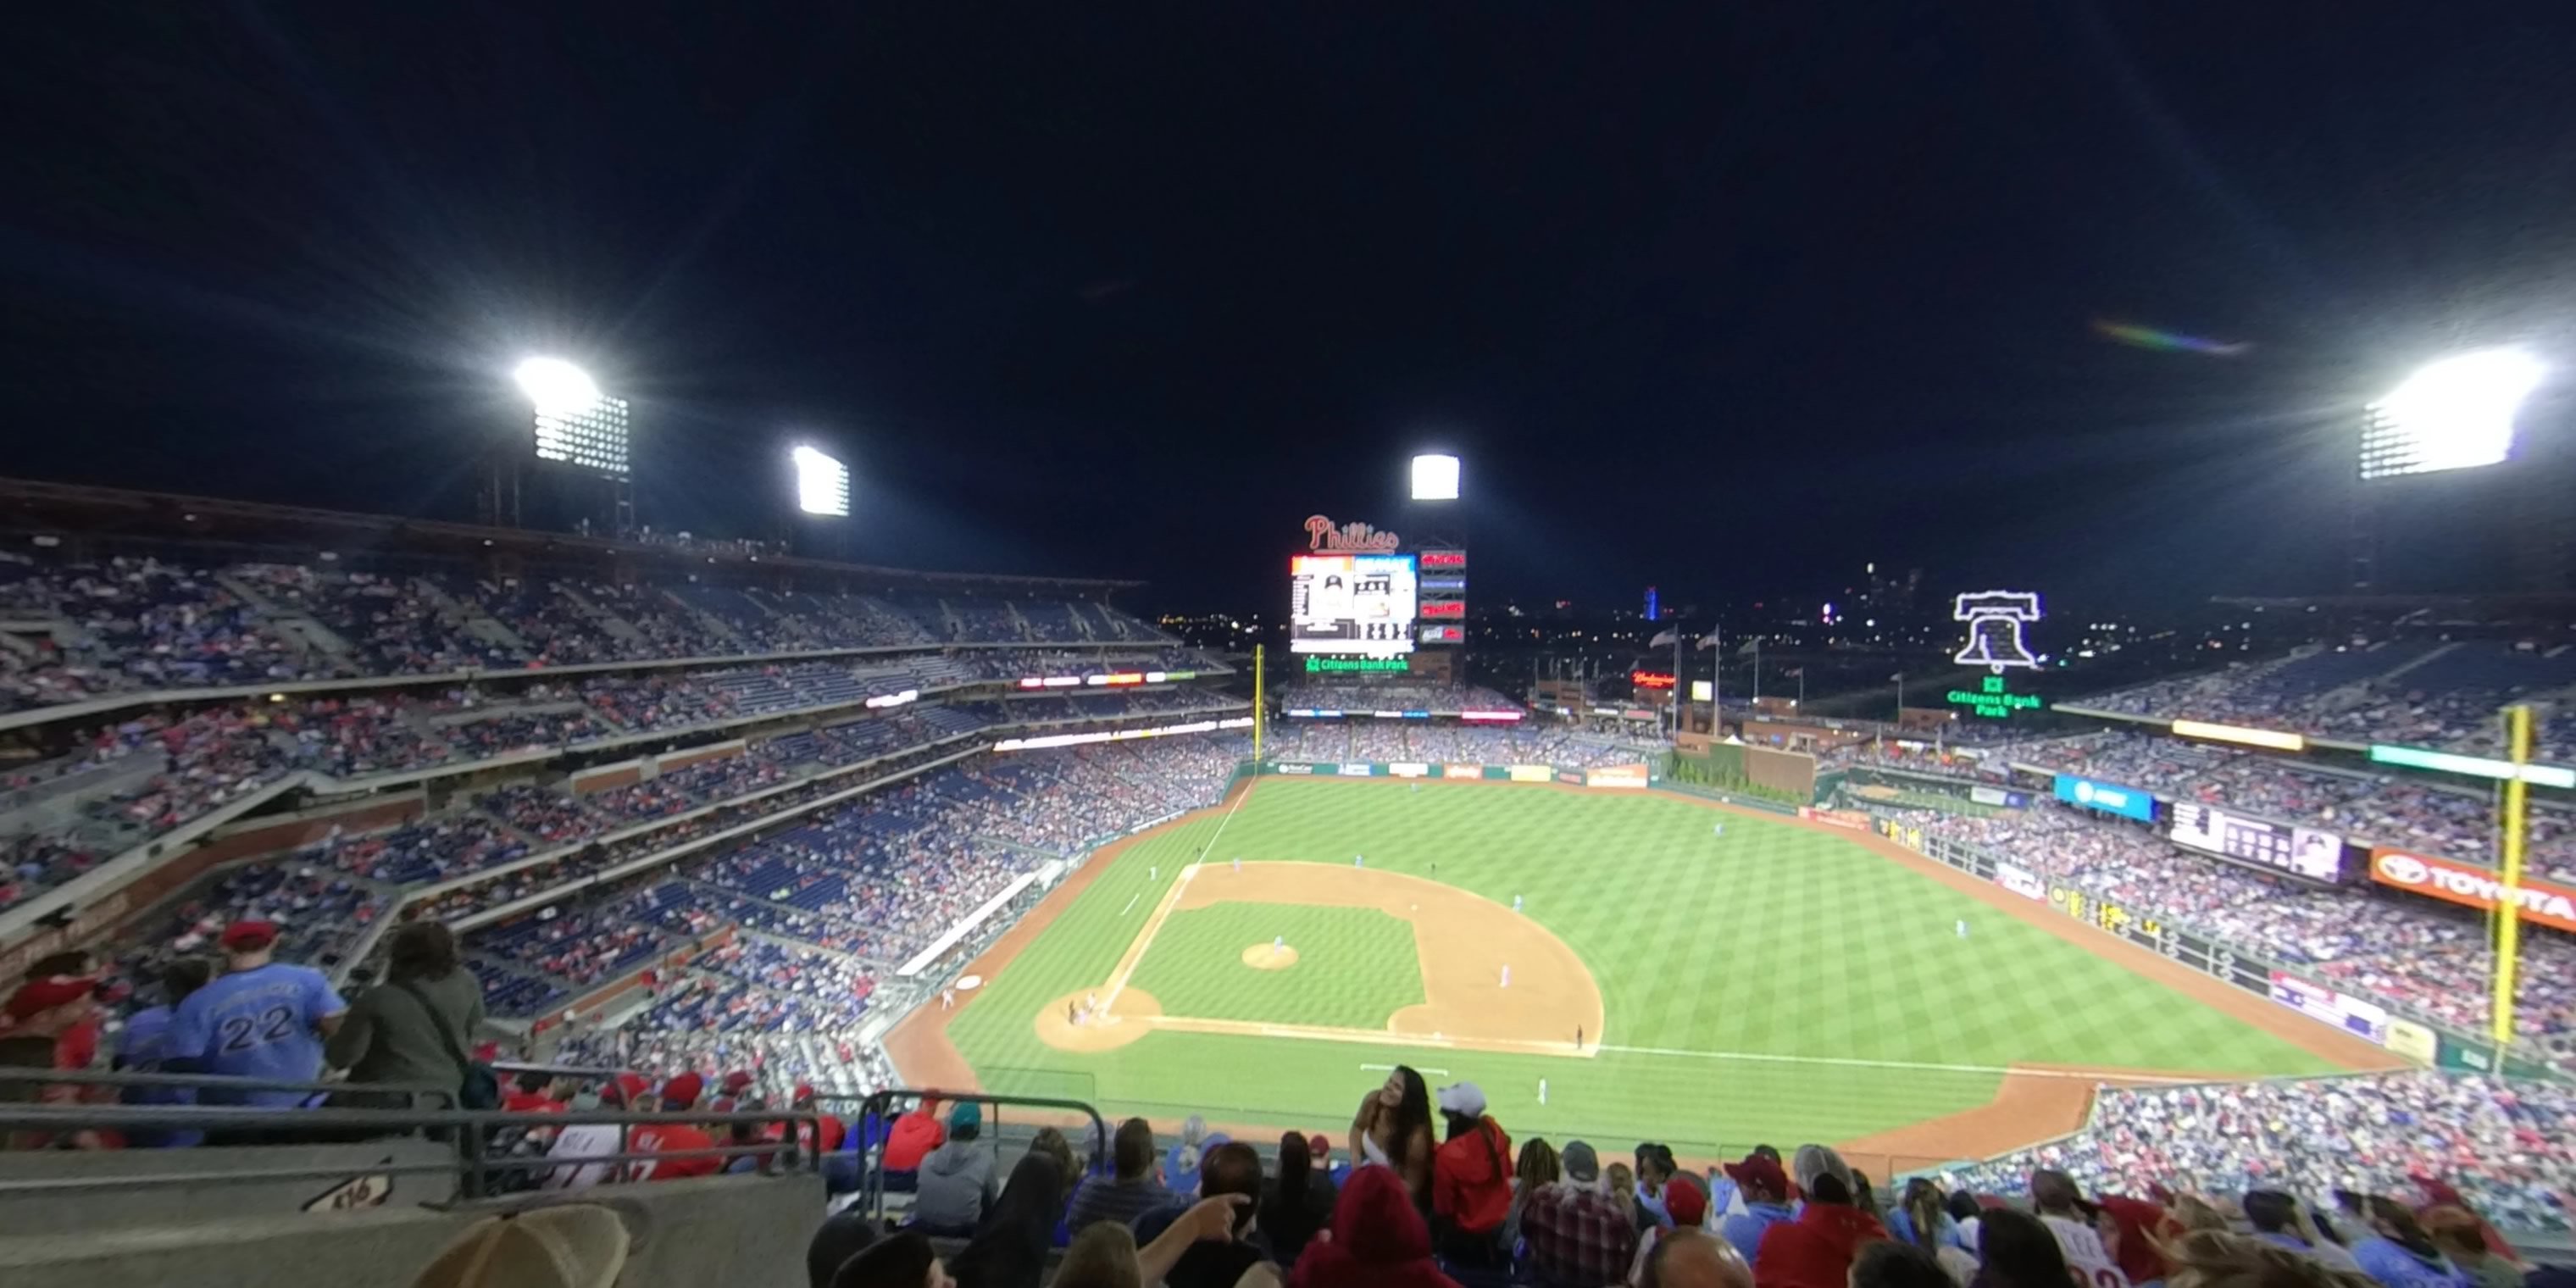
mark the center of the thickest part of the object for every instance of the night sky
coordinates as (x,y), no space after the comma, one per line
(1724,297)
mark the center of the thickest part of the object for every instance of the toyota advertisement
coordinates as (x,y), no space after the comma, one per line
(2127,802)
(2472,886)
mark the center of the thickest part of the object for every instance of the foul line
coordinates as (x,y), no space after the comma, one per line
(1136,951)
(1389,1068)
(1845,1062)
(1131,904)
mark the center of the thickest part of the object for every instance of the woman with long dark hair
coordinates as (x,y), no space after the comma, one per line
(417,1025)
(1010,1247)
(1296,1202)
(2018,1250)
(1393,1127)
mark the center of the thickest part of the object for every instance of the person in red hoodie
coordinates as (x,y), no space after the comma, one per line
(914,1135)
(679,1095)
(1471,1180)
(1378,1241)
(1816,1250)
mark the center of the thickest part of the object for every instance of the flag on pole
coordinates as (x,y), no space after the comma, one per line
(1793,670)
(1709,640)
(1668,637)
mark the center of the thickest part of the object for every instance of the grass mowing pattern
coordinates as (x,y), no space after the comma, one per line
(1717,956)
(1355,966)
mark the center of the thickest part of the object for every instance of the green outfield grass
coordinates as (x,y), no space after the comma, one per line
(1776,984)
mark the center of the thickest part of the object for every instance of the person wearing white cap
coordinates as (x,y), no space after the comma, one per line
(1471,1180)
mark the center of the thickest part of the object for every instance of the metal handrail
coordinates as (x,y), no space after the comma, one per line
(470,1131)
(878,1105)
(216,1082)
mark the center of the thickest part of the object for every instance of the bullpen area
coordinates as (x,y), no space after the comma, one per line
(1613,964)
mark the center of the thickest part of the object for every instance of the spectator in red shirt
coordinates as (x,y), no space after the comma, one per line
(1816,1250)
(49,1023)
(1471,1179)
(679,1095)
(535,1093)
(833,1130)
(915,1134)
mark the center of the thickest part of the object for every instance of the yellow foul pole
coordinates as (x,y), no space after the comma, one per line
(2517,793)
(1258,715)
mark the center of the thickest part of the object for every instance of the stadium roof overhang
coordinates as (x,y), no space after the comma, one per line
(29,505)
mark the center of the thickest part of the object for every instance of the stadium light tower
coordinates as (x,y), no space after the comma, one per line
(822,483)
(1435,477)
(578,426)
(2455,413)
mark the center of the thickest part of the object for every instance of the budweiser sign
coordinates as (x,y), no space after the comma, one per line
(1350,538)
(2476,887)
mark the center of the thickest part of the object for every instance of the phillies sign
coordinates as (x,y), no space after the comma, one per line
(2473,886)
(1350,538)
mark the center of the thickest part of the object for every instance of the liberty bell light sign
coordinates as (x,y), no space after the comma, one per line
(1995,619)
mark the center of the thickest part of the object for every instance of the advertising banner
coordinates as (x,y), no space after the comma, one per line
(1633,776)
(2463,1057)
(1533,773)
(1361,770)
(2343,1010)
(1986,795)
(2110,798)
(2476,887)
(2021,882)
(1294,767)
(1462,771)
(1569,777)
(1402,770)
(2413,1041)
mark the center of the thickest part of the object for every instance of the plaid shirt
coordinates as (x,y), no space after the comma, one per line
(1578,1236)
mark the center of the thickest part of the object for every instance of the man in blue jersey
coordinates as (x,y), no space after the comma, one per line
(260,1019)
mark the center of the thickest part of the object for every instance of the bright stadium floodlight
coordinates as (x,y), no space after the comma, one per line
(822,483)
(555,385)
(575,422)
(1435,477)
(2456,413)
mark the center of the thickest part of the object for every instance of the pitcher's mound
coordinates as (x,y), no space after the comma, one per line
(1082,1029)
(1265,957)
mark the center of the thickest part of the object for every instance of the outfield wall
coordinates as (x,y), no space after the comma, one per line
(2413,1036)
(1628,777)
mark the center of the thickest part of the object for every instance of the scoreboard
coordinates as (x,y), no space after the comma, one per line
(2308,853)
(1363,604)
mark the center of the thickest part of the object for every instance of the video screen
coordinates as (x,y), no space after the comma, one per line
(2305,852)
(1355,604)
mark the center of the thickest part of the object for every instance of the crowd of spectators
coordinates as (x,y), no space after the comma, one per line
(2509,1147)
(2378,809)
(217,755)
(1410,695)
(2424,693)
(131,624)
(1425,743)
(2423,956)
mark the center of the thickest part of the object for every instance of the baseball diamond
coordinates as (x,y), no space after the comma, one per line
(1781,981)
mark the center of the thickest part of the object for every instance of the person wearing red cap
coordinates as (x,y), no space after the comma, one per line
(38,1025)
(679,1095)
(833,1130)
(1764,1186)
(1687,1204)
(594,1140)
(261,1019)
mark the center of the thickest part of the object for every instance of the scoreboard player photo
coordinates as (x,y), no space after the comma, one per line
(1352,604)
